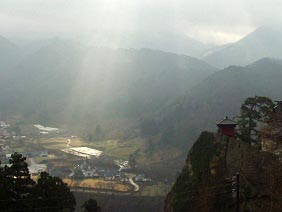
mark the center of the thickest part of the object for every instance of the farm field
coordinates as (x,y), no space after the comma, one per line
(59,143)
(117,149)
(99,184)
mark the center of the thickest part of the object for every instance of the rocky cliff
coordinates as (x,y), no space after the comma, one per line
(204,183)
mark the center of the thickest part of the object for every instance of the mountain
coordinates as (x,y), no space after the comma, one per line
(40,80)
(10,54)
(215,49)
(263,42)
(219,95)
(168,42)
(69,82)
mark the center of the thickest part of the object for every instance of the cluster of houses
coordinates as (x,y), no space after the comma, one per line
(5,134)
(142,178)
(4,125)
(39,153)
(3,130)
(5,149)
(86,170)
(34,169)
(123,165)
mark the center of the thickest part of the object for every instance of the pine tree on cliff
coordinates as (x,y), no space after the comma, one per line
(254,111)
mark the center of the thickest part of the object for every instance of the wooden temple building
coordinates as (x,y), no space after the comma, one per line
(227,127)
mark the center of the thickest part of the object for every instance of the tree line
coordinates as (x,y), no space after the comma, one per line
(19,192)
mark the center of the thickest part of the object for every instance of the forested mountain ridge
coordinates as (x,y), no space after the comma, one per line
(66,82)
(39,80)
(218,95)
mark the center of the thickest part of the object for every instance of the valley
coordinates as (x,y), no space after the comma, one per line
(107,174)
(115,124)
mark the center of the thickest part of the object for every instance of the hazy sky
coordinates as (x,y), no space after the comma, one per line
(210,21)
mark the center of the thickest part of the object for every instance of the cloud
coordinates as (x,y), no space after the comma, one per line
(213,21)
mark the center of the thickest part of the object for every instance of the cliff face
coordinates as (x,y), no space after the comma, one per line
(271,138)
(203,183)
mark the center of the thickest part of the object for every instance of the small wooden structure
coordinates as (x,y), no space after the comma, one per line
(227,127)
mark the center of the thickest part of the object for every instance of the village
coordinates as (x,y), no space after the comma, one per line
(61,154)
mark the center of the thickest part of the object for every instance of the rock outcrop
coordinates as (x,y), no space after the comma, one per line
(204,183)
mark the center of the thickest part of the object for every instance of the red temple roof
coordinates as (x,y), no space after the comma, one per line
(226,121)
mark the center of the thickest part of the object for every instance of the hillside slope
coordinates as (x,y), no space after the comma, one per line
(10,54)
(219,95)
(68,82)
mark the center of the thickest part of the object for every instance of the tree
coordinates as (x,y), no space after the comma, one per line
(89,137)
(132,161)
(5,187)
(17,183)
(19,192)
(52,191)
(254,112)
(98,132)
(91,205)
(78,174)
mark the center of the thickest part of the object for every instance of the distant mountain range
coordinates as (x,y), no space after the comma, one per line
(263,42)
(168,42)
(219,95)
(67,81)
(70,83)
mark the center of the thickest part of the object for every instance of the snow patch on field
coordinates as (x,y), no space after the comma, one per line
(83,152)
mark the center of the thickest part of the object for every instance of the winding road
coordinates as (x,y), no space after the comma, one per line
(136,187)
